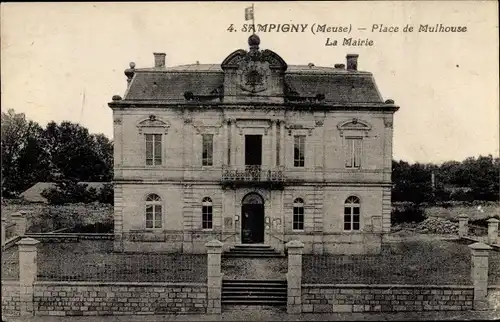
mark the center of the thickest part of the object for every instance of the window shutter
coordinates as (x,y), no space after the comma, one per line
(348,153)
(357,153)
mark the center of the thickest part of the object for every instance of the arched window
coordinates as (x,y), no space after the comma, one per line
(207,213)
(298,214)
(351,213)
(153,211)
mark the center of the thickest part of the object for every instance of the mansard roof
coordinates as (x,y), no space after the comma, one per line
(172,85)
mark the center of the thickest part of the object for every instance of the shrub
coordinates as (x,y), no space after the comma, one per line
(408,213)
(73,192)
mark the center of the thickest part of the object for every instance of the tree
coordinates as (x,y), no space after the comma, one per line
(78,155)
(24,159)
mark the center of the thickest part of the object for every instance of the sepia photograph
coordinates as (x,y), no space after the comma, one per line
(250,161)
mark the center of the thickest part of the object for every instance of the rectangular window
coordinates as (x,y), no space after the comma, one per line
(298,218)
(353,152)
(299,150)
(153,149)
(207,217)
(208,149)
(351,218)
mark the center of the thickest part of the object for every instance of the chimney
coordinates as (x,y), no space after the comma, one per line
(159,59)
(352,61)
(339,66)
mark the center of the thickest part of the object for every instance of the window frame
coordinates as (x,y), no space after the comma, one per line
(352,203)
(350,152)
(153,200)
(207,204)
(297,147)
(298,214)
(209,152)
(154,154)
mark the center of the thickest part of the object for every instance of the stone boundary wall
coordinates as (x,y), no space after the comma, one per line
(86,298)
(385,298)
(493,297)
(11,301)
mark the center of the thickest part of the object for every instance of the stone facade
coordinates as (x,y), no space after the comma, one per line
(327,107)
(84,298)
(385,298)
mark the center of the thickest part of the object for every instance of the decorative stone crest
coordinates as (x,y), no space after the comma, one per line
(388,123)
(253,76)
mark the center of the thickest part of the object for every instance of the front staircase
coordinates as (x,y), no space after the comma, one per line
(251,251)
(254,292)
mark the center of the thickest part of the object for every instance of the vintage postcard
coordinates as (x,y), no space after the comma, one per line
(250,161)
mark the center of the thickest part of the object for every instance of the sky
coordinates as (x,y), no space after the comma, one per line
(64,61)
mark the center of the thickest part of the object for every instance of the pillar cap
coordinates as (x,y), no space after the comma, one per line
(28,242)
(479,246)
(214,243)
(493,220)
(295,244)
(463,216)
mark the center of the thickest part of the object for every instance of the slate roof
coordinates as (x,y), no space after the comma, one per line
(168,84)
(34,193)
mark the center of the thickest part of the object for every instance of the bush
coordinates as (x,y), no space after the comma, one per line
(73,192)
(408,213)
(483,222)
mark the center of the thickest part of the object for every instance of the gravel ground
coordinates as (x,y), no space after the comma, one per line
(254,268)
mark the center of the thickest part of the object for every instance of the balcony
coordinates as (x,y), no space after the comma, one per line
(253,175)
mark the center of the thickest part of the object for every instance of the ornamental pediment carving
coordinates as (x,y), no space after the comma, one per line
(354,125)
(241,57)
(153,123)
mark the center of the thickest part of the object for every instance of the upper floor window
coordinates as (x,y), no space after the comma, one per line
(153,149)
(153,211)
(298,214)
(299,150)
(351,213)
(208,149)
(353,152)
(207,213)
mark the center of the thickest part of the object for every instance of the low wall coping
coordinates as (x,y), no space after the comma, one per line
(132,284)
(387,286)
(494,287)
(10,282)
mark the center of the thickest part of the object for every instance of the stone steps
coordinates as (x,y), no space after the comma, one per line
(251,251)
(254,292)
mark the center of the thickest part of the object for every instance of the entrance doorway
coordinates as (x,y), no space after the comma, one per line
(252,222)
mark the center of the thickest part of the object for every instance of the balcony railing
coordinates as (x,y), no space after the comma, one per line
(252,174)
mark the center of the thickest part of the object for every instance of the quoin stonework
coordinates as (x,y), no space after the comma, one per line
(252,150)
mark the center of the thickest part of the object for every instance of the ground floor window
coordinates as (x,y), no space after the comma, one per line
(351,213)
(207,213)
(153,211)
(298,214)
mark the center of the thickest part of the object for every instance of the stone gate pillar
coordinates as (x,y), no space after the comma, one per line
(479,275)
(493,231)
(294,277)
(214,276)
(27,273)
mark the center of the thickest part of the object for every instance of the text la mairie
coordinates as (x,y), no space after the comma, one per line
(252,151)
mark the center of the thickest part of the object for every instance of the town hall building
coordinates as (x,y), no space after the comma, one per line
(252,151)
